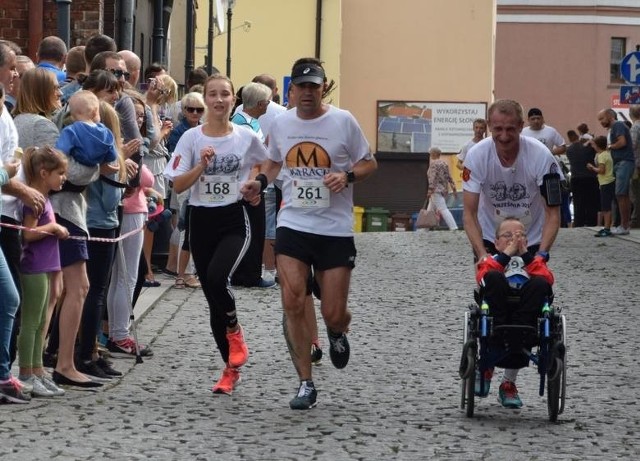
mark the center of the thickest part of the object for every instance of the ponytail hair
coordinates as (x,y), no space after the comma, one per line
(45,158)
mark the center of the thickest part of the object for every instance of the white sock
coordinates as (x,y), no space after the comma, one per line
(510,374)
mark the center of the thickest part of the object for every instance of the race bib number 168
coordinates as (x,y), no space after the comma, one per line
(219,189)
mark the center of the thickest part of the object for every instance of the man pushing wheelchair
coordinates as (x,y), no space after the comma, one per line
(511,196)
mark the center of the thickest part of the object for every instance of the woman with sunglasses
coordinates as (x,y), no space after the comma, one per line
(160,95)
(214,161)
(192,114)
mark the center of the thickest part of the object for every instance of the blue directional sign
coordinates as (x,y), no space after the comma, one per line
(630,94)
(630,68)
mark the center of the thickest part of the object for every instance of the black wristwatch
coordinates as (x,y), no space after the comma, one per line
(544,254)
(351,177)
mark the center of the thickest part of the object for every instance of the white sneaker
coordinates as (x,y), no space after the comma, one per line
(51,386)
(27,386)
(39,390)
(620,231)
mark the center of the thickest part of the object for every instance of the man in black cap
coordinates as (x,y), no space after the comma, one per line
(321,150)
(554,141)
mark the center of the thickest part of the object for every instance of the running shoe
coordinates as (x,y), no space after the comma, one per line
(38,388)
(508,395)
(620,231)
(227,382)
(11,391)
(238,351)
(27,387)
(488,374)
(305,398)
(266,282)
(338,349)
(107,367)
(127,348)
(92,370)
(316,354)
(604,232)
(49,384)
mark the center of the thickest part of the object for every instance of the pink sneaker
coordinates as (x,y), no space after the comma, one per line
(127,348)
(238,351)
(225,385)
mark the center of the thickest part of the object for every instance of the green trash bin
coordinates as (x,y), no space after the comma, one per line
(377,219)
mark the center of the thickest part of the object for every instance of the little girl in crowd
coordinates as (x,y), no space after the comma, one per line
(45,170)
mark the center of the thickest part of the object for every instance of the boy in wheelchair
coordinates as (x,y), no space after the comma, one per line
(512,270)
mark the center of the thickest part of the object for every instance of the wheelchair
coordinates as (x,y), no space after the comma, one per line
(486,345)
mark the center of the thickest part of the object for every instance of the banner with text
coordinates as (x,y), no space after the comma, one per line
(415,127)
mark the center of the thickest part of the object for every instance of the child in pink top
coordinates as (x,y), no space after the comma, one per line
(123,279)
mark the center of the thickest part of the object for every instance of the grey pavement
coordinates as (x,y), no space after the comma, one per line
(399,397)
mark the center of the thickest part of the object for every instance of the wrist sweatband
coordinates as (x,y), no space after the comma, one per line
(264,182)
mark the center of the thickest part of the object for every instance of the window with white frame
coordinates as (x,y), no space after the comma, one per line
(618,52)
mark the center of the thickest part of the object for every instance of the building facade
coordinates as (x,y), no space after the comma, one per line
(563,56)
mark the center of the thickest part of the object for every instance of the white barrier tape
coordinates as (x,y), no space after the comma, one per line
(76,237)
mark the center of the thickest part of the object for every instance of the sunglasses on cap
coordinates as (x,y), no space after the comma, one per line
(120,73)
(191,110)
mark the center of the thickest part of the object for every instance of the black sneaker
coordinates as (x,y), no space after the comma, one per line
(306,397)
(92,370)
(105,366)
(316,354)
(338,349)
(11,391)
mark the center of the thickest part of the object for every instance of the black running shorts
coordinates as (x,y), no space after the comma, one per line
(319,251)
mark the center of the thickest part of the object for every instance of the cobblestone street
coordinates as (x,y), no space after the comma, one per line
(399,397)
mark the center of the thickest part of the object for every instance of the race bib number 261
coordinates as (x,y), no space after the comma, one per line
(310,193)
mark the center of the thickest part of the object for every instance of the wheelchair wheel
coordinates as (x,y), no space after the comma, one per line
(469,384)
(557,380)
(554,388)
(563,389)
(467,363)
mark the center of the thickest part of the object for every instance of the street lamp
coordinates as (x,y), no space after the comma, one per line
(232,3)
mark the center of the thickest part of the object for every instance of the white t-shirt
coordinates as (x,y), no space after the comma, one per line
(509,191)
(463,152)
(548,136)
(235,155)
(11,206)
(308,150)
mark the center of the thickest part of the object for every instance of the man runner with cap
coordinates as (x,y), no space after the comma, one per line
(322,151)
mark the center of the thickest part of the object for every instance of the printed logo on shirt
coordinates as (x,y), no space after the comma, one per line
(308,159)
(176,161)
(500,192)
(466,174)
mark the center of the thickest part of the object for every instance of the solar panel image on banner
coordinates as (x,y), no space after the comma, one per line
(420,142)
(389,125)
(413,127)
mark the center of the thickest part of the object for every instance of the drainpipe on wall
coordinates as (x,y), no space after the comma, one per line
(125,32)
(318,27)
(158,32)
(35,27)
(189,48)
(64,21)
